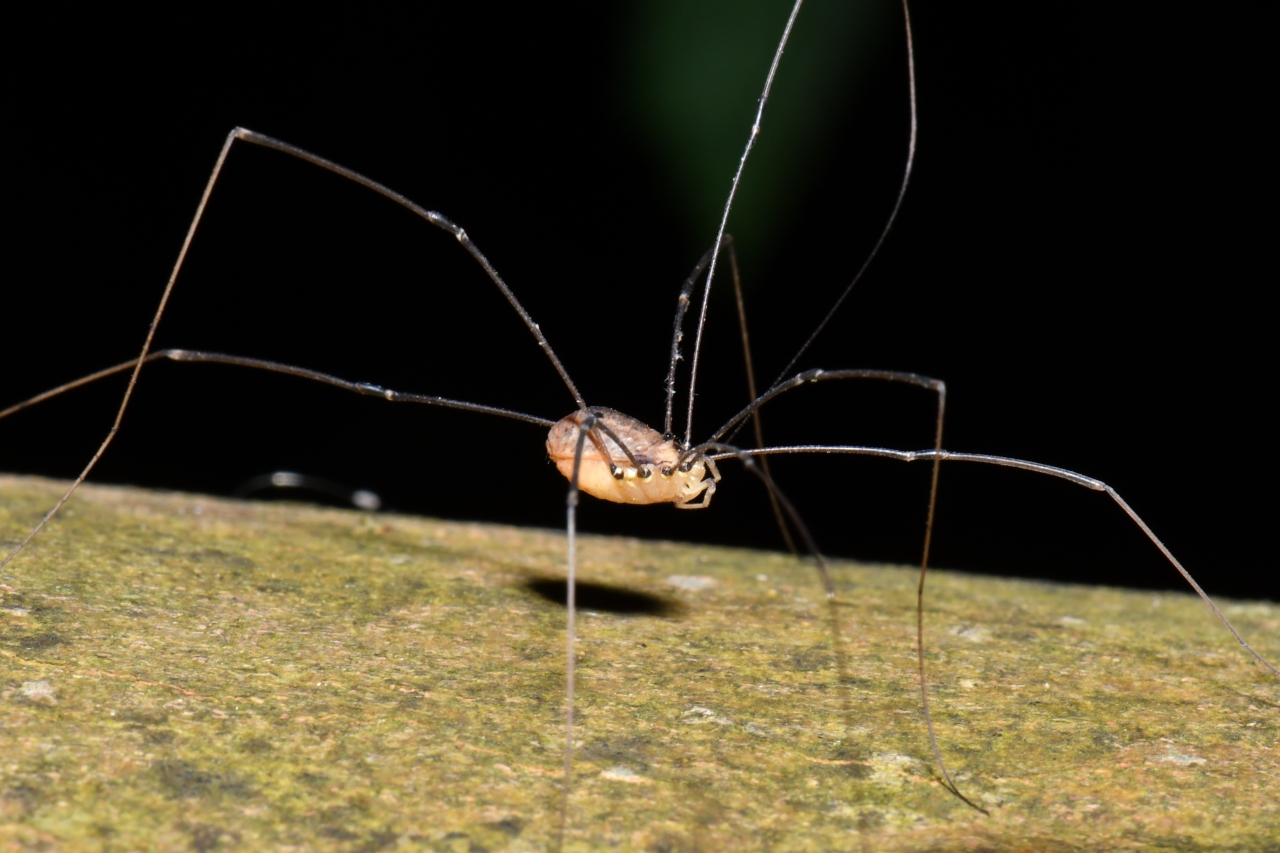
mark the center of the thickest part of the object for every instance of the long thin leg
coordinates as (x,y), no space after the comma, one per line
(183,355)
(893,214)
(437,219)
(751,389)
(571,529)
(940,389)
(76,383)
(924,570)
(728,451)
(142,357)
(724,218)
(1024,465)
(833,603)
(938,455)
(819,375)
(677,335)
(884,233)
(431,216)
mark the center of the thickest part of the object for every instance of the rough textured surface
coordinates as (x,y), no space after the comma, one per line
(184,673)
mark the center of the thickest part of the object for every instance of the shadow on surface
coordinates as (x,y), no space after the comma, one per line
(604,598)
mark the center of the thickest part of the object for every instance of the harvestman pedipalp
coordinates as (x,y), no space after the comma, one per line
(605,451)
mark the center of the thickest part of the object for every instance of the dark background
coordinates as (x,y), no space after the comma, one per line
(1082,257)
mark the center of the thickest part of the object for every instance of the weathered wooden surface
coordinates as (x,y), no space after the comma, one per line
(179,672)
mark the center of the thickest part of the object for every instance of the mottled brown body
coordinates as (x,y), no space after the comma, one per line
(606,471)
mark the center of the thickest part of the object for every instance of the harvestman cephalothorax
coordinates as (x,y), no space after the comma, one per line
(609,454)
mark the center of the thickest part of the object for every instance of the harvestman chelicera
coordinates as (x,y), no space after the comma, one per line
(618,458)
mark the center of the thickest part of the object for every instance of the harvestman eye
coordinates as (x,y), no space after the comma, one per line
(611,455)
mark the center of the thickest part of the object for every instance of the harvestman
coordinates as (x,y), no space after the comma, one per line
(618,458)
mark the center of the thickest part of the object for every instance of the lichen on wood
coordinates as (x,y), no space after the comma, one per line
(179,672)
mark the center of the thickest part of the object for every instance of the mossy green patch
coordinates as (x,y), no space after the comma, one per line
(186,673)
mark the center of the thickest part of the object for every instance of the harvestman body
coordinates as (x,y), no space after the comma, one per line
(617,458)
(654,472)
